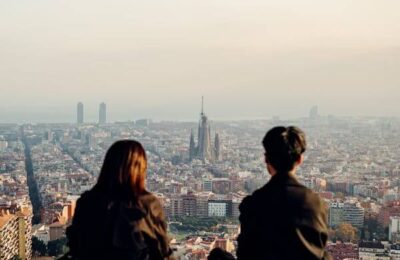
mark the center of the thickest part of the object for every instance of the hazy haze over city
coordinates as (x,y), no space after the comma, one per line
(157,58)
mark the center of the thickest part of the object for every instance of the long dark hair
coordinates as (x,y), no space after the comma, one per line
(123,174)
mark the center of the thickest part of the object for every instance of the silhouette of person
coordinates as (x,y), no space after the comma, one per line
(118,218)
(283,219)
(220,254)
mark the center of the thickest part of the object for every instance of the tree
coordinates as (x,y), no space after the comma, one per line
(346,232)
(38,246)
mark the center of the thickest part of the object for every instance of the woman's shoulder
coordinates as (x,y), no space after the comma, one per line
(148,198)
(88,195)
(91,198)
(150,202)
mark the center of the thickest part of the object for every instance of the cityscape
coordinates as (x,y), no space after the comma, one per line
(201,171)
(206,104)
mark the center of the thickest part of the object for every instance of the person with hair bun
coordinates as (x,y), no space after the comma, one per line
(118,218)
(283,219)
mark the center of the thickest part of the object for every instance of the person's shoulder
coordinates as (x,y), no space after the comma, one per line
(91,200)
(148,197)
(307,198)
(245,204)
(86,205)
(87,197)
(313,199)
(309,195)
(252,200)
(150,202)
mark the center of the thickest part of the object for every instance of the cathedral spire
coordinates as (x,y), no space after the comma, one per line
(204,149)
(192,146)
(202,105)
(217,148)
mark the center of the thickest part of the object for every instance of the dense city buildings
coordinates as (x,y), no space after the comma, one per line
(340,251)
(15,204)
(351,162)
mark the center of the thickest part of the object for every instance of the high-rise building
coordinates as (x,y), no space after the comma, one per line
(314,112)
(102,113)
(176,205)
(353,213)
(204,149)
(79,113)
(220,208)
(217,148)
(189,205)
(192,147)
(390,209)
(346,212)
(202,204)
(336,213)
(16,234)
(394,229)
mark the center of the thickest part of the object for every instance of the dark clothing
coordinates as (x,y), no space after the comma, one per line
(282,220)
(102,229)
(220,254)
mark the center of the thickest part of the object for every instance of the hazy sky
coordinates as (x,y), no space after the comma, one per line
(156,58)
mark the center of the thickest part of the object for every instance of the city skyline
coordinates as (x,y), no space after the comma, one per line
(85,81)
(91,114)
(249,58)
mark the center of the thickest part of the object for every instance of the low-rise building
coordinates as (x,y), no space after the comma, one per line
(219,208)
(372,251)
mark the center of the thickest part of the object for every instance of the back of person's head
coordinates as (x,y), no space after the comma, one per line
(123,174)
(284,147)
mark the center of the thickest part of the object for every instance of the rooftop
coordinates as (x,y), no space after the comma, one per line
(5,217)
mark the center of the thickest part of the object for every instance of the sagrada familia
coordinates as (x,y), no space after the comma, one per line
(204,150)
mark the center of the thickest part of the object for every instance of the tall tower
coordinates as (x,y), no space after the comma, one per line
(192,147)
(79,113)
(217,148)
(204,150)
(314,112)
(102,113)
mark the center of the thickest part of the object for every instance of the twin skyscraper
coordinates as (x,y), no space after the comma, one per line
(102,113)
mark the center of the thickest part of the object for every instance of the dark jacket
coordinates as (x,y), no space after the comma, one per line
(114,230)
(282,220)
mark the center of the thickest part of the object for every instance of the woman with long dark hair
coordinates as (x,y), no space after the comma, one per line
(118,218)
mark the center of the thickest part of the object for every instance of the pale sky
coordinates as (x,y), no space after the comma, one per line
(156,58)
